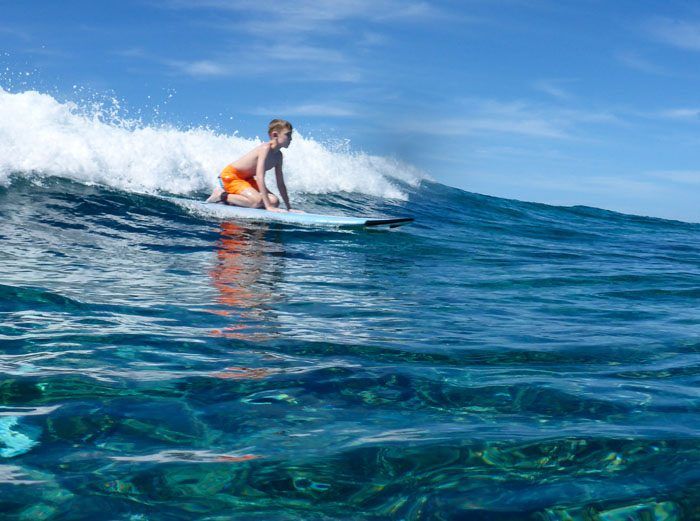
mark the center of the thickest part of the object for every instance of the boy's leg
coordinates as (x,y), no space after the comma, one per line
(232,199)
(251,198)
(248,198)
(274,200)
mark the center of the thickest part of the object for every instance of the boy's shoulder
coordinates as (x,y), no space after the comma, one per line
(271,150)
(263,147)
(271,153)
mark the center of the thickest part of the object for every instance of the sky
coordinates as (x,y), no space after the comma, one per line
(591,102)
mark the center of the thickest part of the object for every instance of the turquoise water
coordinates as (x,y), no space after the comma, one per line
(494,360)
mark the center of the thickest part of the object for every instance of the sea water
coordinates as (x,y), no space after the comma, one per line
(494,360)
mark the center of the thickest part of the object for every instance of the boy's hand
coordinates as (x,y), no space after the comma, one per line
(279,210)
(296,211)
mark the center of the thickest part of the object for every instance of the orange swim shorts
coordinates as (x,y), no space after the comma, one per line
(233,183)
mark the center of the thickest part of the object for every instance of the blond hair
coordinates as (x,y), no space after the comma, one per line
(277,125)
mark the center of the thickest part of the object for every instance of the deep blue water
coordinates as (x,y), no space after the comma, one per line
(494,360)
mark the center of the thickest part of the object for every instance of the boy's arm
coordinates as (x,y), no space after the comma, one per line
(280,184)
(260,175)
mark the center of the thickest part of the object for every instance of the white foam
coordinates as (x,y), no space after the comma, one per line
(42,136)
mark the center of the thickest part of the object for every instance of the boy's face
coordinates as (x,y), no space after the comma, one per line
(282,137)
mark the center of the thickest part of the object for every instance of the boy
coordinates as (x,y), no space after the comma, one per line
(242,183)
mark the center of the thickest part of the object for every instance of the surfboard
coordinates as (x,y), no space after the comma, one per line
(303,219)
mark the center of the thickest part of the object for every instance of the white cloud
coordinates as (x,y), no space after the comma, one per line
(678,33)
(553,88)
(310,109)
(300,53)
(301,18)
(517,124)
(616,184)
(478,126)
(132,52)
(304,40)
(478,117)
(203,68)
(320,9)
(303,63)
(15,32)
(637,62)
(688,177)
(322,68)
(681,113)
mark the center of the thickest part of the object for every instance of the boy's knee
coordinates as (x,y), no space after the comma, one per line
(255,201)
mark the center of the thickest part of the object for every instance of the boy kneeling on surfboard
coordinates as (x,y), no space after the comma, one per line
(242,183)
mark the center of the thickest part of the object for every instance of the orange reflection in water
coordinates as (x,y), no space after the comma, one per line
(238,268)
(240,264)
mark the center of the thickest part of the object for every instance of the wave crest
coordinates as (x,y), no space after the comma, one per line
(93,145)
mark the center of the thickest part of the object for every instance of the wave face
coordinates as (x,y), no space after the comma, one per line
(494,360)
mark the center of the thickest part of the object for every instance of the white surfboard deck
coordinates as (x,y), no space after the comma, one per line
(304,219)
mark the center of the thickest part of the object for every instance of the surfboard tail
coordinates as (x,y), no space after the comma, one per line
(391,223)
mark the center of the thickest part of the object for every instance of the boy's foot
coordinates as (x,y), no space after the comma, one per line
(215,196)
